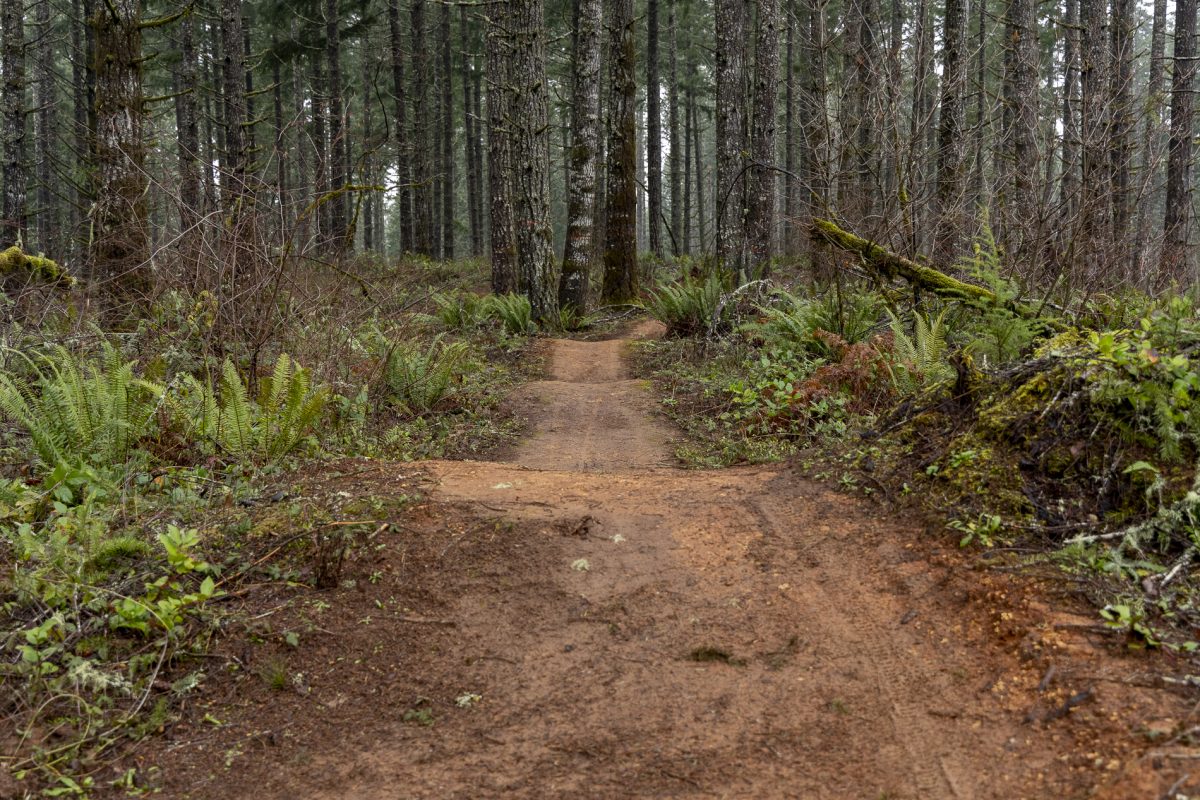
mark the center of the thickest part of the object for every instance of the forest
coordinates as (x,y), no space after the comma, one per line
(524,397)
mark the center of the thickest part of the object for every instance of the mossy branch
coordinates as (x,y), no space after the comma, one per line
(891,266)
(40,268)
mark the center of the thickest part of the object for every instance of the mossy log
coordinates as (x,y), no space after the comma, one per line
(891,266)
(15,260)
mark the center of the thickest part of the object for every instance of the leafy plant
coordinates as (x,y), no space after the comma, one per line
(80,412)
(462,310)
(921,357)
(982,529)
(418,380)
(287,410)
(691,306)
(514,311)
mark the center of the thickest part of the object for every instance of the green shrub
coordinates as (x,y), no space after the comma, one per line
(920,358)
(228,419)
(418,380)
(514,311)
(691,306)
(79,411)
(461,311)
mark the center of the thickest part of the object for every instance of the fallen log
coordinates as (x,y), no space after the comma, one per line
(891,266)
(39,268)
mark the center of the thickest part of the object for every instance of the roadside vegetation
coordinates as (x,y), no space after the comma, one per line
(1064,441)
(147,474)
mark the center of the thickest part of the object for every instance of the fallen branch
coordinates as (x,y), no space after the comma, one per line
(39,268)
(891,266)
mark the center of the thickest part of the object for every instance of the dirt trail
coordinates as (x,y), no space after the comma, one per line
(654,632)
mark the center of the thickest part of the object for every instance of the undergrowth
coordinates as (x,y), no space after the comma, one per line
(128,461)
(1074,445)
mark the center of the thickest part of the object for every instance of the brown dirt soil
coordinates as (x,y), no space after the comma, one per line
(585,621)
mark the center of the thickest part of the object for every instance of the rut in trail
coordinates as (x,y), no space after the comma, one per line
(658,632)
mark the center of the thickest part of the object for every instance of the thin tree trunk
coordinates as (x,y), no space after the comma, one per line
(653,130)
(731,133)
(423,197)
(1153,140)
(698,155)
(1022,223)
(1070,114)
(1121,109)
(447,120)
(760,219)
(790,140)
(47,206)
(500,189)
(673,131)
(1177,221)
(404,156)
(187,129)
(474,204)
(339,171)
(1096,200)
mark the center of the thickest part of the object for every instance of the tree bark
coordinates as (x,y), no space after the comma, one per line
(760,216)
(404,156)
(1021,222)
(620,227)
(653,131)
(339,157)
(12,117)
(423,199)
(1153,141)
(474,197)
(580,248)
(731,134)
(531,158)
(1177,220)
(951,171)
(120,245)
(187,129)
(673,132)
(500,189)
(447,122)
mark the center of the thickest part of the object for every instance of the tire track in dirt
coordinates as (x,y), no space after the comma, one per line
(656,632)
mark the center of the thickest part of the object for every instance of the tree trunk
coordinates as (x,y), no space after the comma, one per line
(653,130)
(760,217)
(1121,143)
(447,121)
(1021,222)
(673,132)
(620,227)
(1153,141)
(12,117)
(731,133)
(422,150)
(531,158)
(235,159)
(474,198)
(951,172)
(187,128)
(790,140)
(580,249)
(500,188)
(698,155)
(48,224)
(404,156)
(1096,199)
(339,157)
(915,193)
(120,245)
(1070,114)
(1177,221)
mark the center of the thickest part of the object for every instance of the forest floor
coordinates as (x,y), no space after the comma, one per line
(583,619)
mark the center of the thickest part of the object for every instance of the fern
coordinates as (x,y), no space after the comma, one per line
(689,307)
(920,358)
(514,311)
(229,420)
(419,380)
(461,310)
(80,411)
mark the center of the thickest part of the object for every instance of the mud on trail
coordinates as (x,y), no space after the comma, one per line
(586,621)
